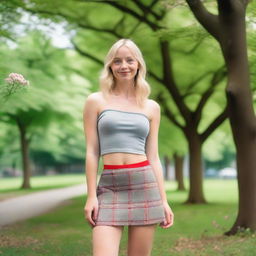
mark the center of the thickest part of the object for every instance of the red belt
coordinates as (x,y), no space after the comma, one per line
(117,166)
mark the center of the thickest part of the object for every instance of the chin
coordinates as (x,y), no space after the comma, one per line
(126,77)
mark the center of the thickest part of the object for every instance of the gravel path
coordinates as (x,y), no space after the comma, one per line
(24,207)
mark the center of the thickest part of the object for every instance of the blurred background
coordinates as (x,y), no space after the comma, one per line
(59,47)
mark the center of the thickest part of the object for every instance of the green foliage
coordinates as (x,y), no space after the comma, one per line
(251,39)
(170,146)
(219,149)
(98,25)
(52,108)
(9,17)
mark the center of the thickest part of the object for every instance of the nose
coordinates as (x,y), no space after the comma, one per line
(123,64)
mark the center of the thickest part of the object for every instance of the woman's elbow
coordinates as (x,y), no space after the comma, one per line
(92,154)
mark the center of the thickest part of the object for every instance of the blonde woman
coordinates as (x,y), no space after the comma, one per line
(121,126)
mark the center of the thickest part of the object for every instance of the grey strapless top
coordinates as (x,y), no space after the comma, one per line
(122,131)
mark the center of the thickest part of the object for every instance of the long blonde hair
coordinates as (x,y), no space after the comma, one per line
(107,84)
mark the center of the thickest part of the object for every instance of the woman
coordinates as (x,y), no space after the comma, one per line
(121,125)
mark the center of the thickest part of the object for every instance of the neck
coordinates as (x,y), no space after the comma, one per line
(124,88)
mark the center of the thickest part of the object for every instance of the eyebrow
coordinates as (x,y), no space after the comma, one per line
(125,57)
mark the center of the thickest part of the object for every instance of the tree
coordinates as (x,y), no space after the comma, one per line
(128,20)
(179,160)
(39,107)
(228,28)
(170,147)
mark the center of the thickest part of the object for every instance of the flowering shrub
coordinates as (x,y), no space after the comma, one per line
(14,83)
(15,78)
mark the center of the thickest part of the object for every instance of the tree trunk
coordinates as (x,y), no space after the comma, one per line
(24,142)
(242,116)
(196,195)
(228,28)
(192,121)
(178,160)
(167,163)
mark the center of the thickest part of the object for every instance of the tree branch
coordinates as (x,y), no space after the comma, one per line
(86,54)
(125,9)
(169,80)
(157,78)
(134,29)
(71,19)
(208,20)
(193,49)
(217,77)
(106,30)
(166,110)
(148,9)
(215,124)
(194,83)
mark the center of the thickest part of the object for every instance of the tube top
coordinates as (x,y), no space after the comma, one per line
(122,131)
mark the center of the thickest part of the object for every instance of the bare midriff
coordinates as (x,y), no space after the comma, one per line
(122,158)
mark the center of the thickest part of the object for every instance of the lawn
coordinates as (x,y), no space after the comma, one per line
(197,230)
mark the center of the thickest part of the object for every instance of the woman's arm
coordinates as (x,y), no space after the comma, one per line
(92,155)
(153,157)
(152,148)
(92,145)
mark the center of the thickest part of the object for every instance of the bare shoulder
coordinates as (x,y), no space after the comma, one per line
(92,102)
(153,107)
(93,98)
(153,104)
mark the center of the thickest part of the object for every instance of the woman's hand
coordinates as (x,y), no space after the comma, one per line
(91,210)
(169,216)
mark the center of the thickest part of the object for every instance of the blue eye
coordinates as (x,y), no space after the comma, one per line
(117,61)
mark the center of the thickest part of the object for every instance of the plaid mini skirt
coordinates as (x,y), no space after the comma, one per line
(129,195)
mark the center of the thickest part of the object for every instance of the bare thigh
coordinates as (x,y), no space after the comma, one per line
(106,240)
(140,240)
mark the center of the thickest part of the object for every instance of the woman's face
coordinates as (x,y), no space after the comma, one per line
(124,65)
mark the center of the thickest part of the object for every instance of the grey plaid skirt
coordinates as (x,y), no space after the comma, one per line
(129,196)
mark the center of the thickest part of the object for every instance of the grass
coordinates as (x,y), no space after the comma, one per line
(197,230)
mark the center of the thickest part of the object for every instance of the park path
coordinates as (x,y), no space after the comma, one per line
(27,206)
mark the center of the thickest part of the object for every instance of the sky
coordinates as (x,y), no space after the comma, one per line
(58,33)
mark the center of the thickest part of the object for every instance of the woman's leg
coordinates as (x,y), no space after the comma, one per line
(140,240)
(106,240)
